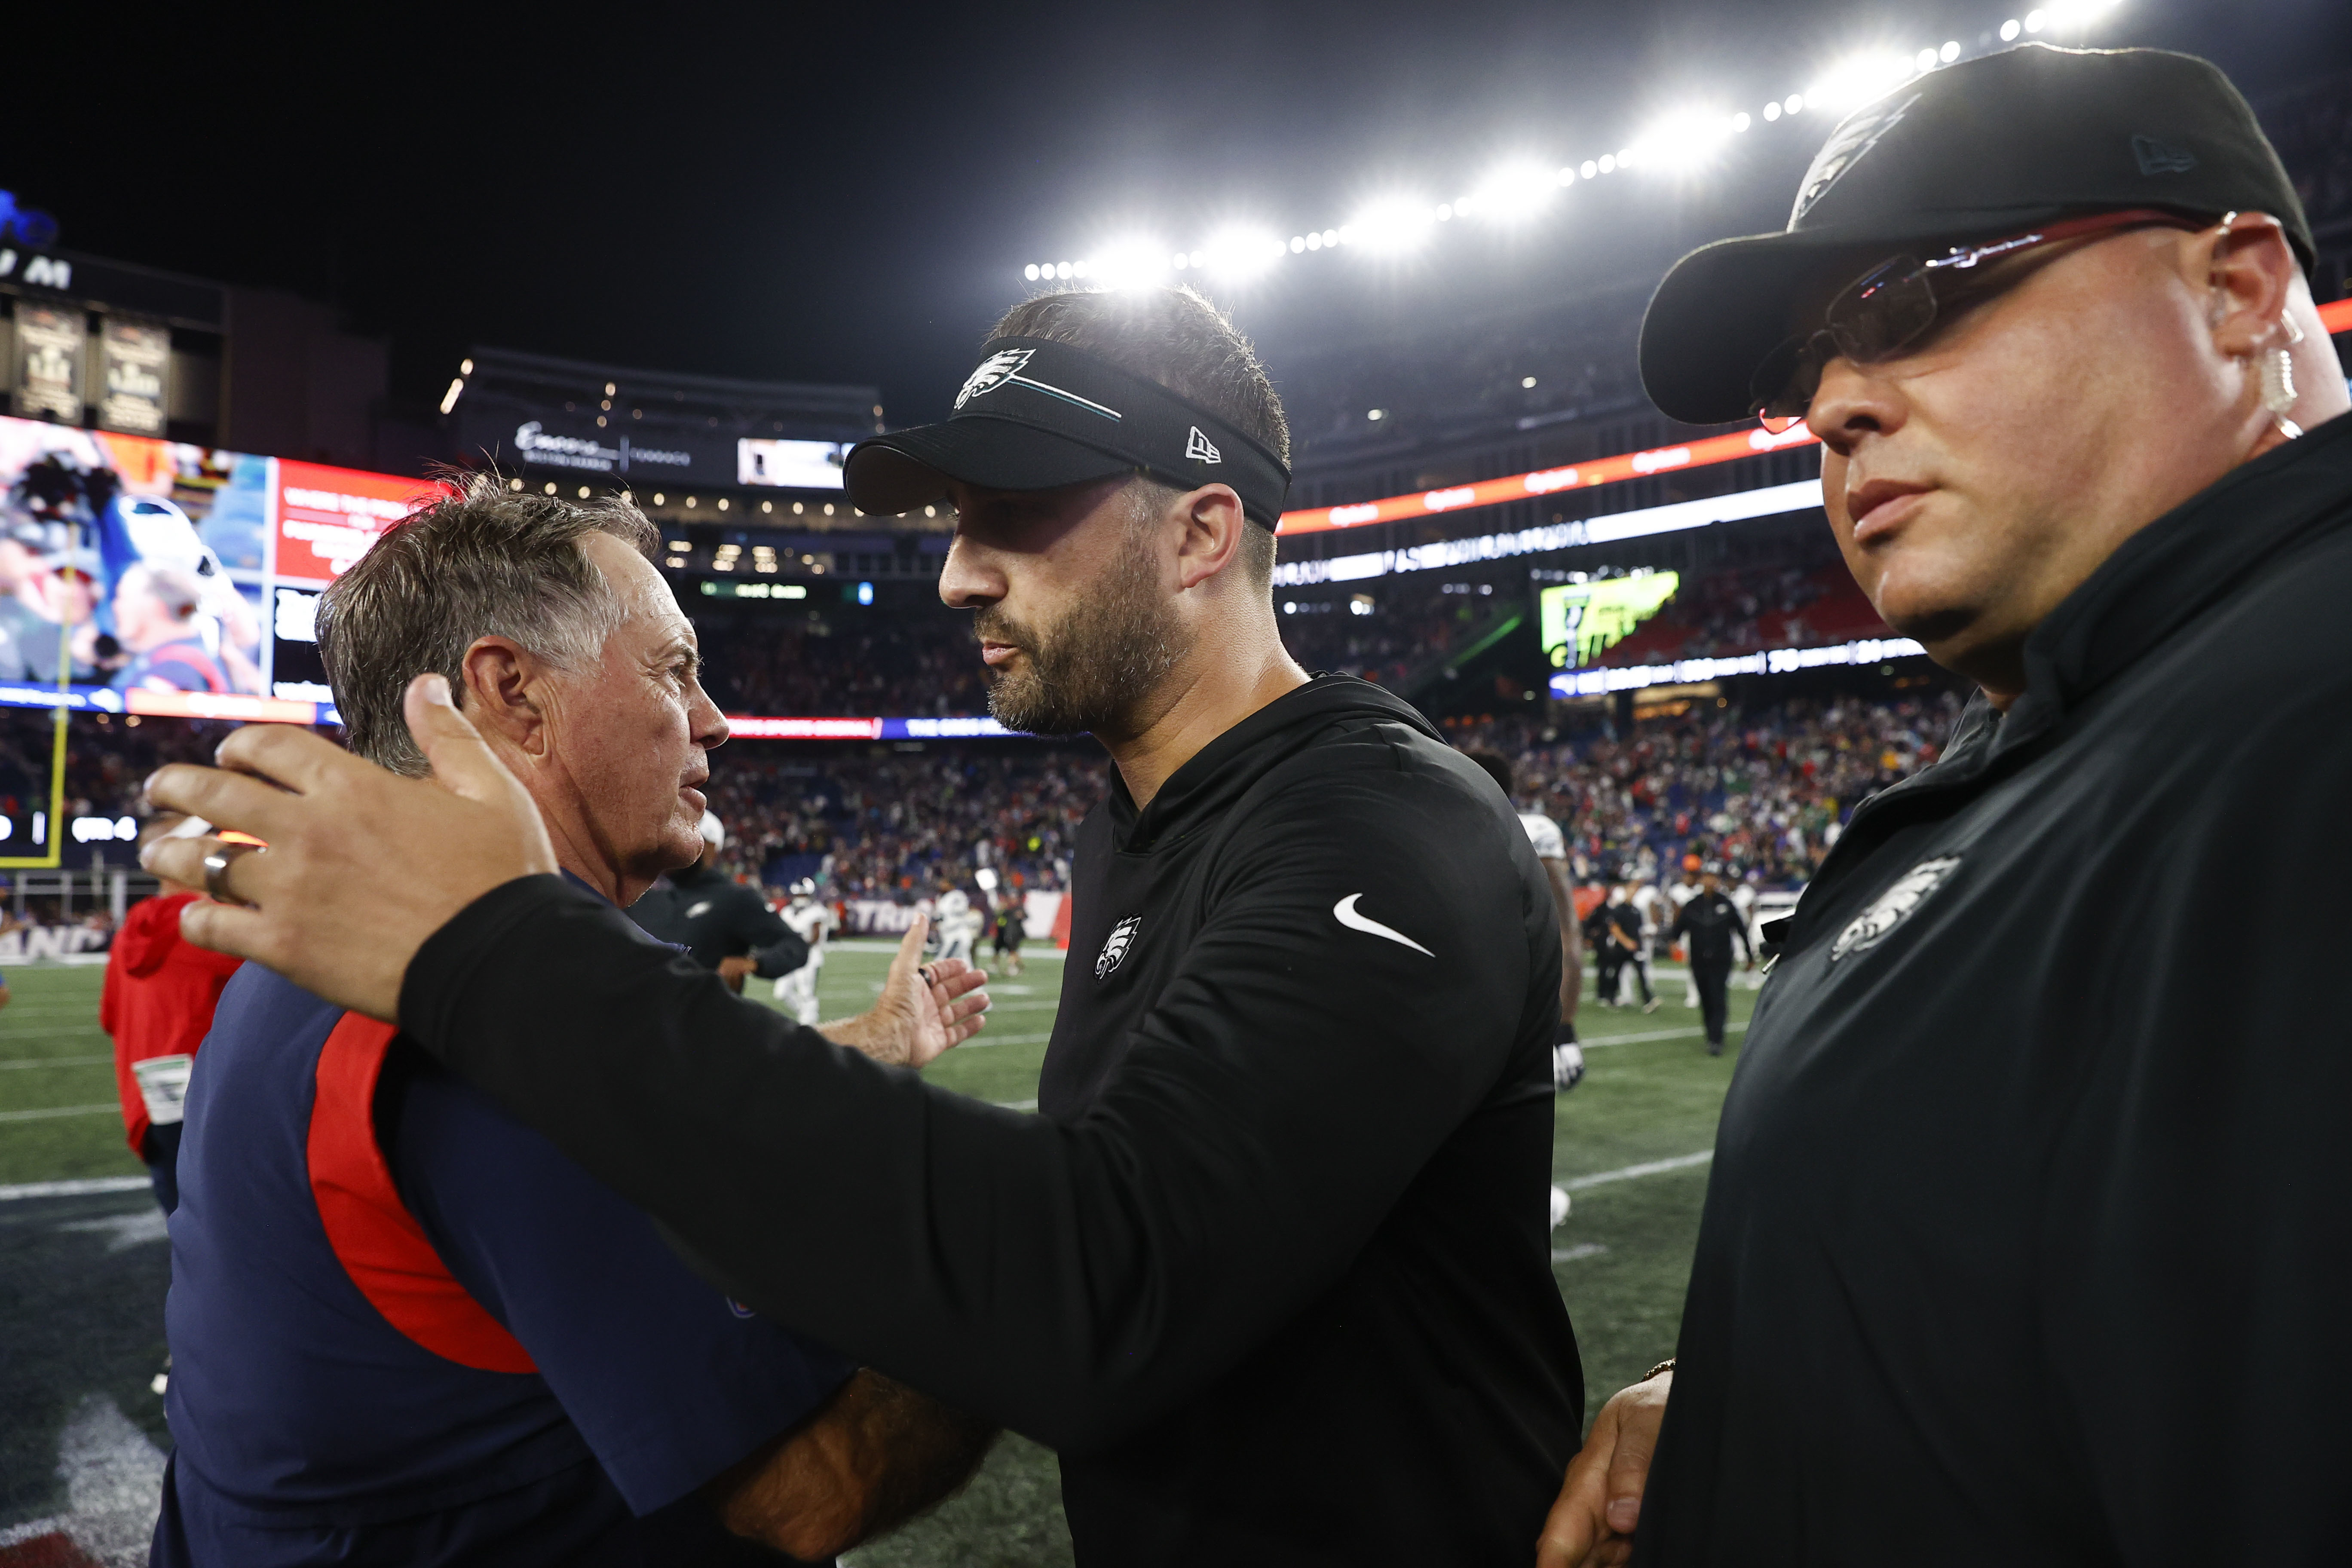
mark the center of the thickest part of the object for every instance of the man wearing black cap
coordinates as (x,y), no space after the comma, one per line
(2028,1234)
(1709,922)
(1272,1268)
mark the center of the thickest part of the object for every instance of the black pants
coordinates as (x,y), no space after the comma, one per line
(1607,958)
(1638,961)
(160,1149)
(1713,978)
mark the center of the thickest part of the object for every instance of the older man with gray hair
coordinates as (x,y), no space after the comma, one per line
(406,1329)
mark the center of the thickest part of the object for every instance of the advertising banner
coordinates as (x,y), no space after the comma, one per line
(134,377)
(612,454)
(51,343)
(328,517)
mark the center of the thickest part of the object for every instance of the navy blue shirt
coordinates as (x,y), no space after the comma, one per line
(309,1430)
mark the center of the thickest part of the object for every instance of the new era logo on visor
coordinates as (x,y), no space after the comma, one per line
(1201,449)
(2156,157)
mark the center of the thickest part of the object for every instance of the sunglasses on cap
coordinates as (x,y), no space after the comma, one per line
(1891,307)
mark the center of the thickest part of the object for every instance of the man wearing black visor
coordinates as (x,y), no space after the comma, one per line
(2028,1234)
(1271,1269)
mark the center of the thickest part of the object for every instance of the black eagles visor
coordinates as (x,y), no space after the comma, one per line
(1036,415)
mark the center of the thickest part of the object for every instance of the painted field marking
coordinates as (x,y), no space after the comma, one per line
(79,1187)
(54,1111)
(1630,1173)
(57,1062)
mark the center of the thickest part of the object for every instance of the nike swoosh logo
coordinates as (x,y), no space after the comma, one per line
(1344,911)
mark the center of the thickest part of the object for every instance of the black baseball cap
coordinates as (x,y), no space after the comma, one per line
(1037,415)
(1977,150)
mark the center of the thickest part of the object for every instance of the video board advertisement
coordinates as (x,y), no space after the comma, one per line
(1580,621)
(793,465)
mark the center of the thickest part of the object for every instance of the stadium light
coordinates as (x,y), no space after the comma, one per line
(1686,139)
(1243,253)
(1858,79)
(1513,192)
(1671,146)
(1129,264)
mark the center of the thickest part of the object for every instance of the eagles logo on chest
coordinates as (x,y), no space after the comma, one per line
(1122,937)
(1909,892)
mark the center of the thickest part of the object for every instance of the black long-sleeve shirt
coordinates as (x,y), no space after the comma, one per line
(1711,923)
(713,916)
(1271,1269)
(2029,1235)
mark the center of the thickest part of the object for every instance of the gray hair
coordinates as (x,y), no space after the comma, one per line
(484,561)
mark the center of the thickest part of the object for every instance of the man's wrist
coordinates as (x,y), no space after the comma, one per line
(1665,1366)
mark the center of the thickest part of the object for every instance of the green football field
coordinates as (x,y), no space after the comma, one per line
(82,1275)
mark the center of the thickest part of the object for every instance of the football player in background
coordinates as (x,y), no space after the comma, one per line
(1679,894)
(1009,933)
(1550,846)
(811,920)
(959,924)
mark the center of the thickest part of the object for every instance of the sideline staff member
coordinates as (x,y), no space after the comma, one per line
(1709,922)
(2028,1234)
(1272,1268)
(723,924)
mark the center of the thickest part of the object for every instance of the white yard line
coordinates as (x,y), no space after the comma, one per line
(1695,1032)
(56,1111)
(1629,1173)
(80,1187)
(57,1062)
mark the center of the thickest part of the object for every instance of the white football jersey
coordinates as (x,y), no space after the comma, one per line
(1545,835)
(810,922)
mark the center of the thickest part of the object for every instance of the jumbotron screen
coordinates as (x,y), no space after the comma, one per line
(1580,621)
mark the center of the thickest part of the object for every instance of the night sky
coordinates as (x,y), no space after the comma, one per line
(848,193)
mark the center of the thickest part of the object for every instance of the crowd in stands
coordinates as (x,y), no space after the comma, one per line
(1394,634)
(903,823)
(1766,791)
(903,662)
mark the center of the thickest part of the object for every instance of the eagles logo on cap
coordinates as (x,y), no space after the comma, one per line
(995,372)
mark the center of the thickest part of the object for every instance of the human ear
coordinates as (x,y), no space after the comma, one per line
(2251,273)
(498,694)
(1213,524)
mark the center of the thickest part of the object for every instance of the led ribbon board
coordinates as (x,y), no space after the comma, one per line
(1613,471)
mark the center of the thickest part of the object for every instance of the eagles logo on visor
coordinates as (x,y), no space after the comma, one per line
(993,371)
(1039,414)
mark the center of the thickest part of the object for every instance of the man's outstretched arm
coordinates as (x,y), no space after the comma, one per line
(875,1456)
(1071,1282)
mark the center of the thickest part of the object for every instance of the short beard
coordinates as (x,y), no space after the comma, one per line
(1093,672)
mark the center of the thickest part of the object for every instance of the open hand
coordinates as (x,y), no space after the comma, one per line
(1600,1499)
(362,864)
(924,1009)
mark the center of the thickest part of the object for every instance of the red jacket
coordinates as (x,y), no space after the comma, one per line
(160,990)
